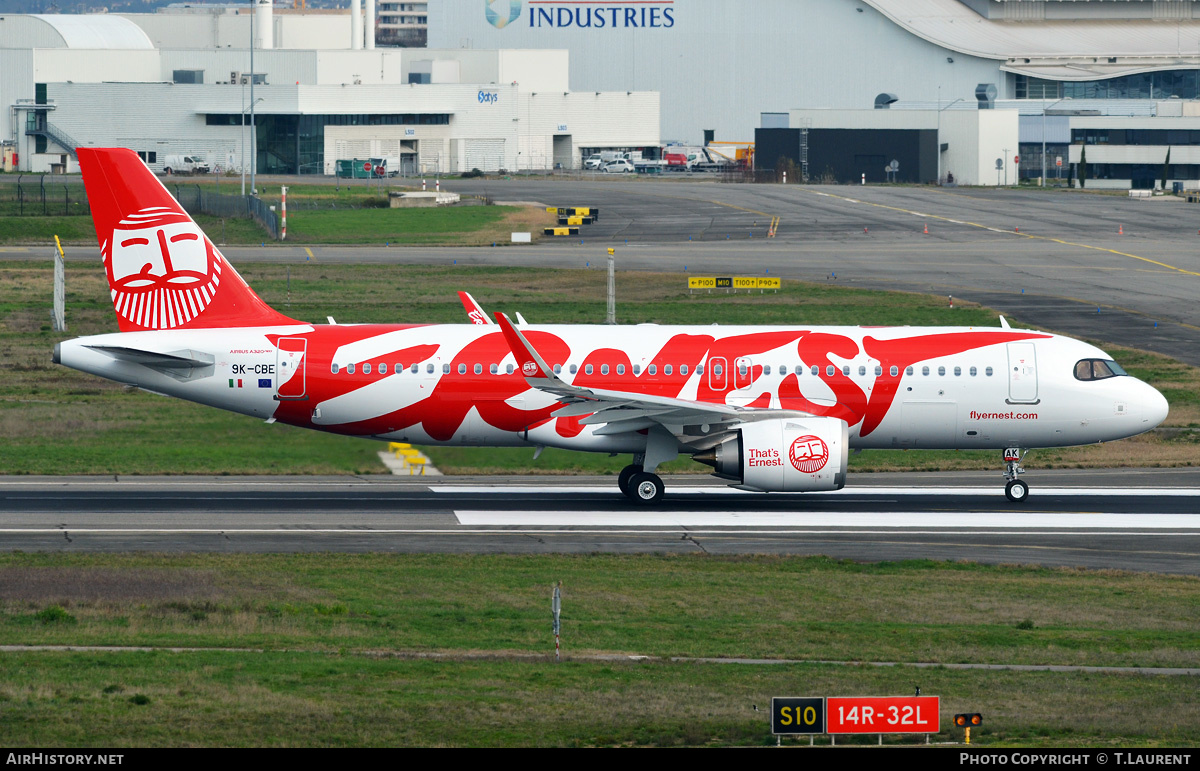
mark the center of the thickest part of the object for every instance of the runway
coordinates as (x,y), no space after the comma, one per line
(1129,520)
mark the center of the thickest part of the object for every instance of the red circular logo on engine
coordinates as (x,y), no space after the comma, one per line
(809,454)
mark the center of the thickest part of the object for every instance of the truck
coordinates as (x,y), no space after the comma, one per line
(185,164)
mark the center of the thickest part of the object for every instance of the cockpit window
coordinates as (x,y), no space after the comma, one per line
(1097,369)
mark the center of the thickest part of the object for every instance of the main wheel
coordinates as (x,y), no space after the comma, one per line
(1016,491)
(646,488)
(625,476)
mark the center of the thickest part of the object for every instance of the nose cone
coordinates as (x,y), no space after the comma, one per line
(1153,406)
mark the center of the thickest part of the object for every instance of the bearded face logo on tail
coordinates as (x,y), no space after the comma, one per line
(162,270)
(163,273)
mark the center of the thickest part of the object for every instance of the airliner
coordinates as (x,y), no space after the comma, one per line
(770,409)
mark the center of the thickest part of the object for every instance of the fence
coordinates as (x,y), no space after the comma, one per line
(195,199)
(35,197)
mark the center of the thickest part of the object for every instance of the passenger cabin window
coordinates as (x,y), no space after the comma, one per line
(637,369)
(383,369)
(445,369)
(366,368)
(334,368)
(1097,369)
(478,369)
(350,369)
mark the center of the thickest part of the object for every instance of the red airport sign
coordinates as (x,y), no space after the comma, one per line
(882,715)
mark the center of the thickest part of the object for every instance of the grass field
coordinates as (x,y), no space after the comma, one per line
(395,649)
(55,420)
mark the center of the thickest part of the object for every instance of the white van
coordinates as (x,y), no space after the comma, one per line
(185,164)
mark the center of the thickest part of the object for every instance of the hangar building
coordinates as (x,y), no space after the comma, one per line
(182,82)
(1118,74)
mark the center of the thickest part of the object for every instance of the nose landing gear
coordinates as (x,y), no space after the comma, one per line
(1016,490)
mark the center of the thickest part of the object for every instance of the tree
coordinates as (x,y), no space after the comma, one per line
(1083,167)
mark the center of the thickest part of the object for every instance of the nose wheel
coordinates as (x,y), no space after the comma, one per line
(1016,490)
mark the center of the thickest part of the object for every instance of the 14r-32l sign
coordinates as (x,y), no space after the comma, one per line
(882,714)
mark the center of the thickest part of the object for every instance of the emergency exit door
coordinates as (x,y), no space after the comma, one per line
(290,367)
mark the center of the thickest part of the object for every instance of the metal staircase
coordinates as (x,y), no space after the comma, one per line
(43,127)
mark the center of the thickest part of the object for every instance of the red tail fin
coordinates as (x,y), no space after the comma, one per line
(163,272)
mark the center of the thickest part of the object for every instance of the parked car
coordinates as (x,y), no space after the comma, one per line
(593,162)
(619,167)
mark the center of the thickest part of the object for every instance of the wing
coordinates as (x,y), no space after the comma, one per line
(474,309)
(697,425)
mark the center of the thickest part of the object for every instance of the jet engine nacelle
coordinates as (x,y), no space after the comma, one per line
(787,455)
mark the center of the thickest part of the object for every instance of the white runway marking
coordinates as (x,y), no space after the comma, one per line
(991,491)
(887,520)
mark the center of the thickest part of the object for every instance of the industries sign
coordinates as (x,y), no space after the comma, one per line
(543,14)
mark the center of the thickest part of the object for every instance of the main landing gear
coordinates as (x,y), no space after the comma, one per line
(638,485)
(1016,490)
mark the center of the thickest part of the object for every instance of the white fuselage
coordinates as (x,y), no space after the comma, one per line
(896,387)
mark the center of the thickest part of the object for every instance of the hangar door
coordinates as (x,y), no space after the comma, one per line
(483,154)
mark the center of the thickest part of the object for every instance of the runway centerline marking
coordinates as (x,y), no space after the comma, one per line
(991,491)
(890,520)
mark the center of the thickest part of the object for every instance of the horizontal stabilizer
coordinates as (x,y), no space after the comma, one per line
(186,359)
